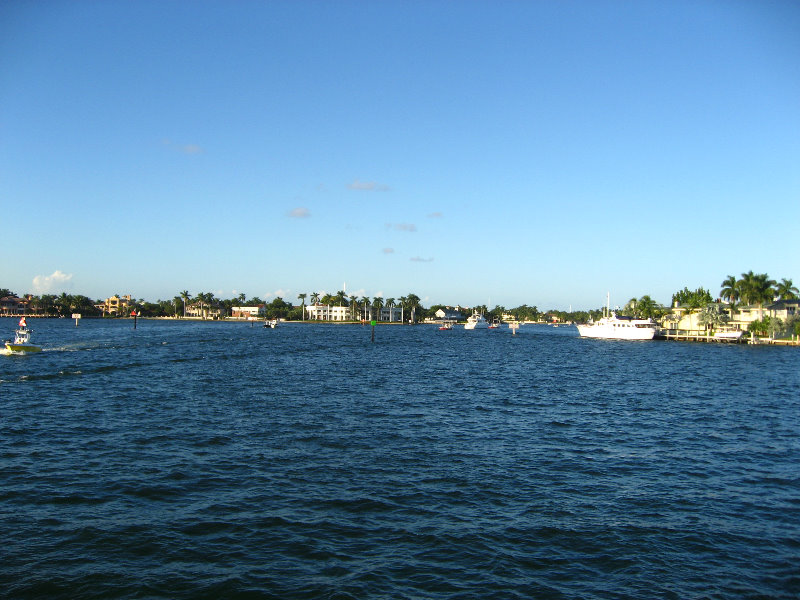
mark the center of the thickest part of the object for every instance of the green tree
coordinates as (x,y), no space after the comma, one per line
(730,290)
(692,298)
(712,315)
(756,288)
(302,298)
(786,290)
(365,304)
(185,297)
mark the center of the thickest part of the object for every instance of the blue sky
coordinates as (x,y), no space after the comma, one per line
(468,152)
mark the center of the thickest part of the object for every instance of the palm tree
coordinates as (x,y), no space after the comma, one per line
(185,295)
(730,292)
(341,298)
(315,297)
(646,307)
(756,289)
(302,298)
(365,305)
(377,304)
(412,302)
(786,290)
(242,298)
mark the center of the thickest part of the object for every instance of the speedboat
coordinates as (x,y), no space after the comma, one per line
(476,321)
(494,324)
(22,339)
(445,326)
(272,323)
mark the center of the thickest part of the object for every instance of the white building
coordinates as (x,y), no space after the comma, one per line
(248,312)
(324,312)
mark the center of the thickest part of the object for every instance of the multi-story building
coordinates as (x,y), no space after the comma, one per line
(11,305)
(115,305)
(248,312)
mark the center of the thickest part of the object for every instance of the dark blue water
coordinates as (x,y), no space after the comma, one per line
(215,460)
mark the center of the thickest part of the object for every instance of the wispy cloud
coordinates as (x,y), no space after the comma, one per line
(367,186)
(183,148)
(420,259)
(435,215)
(279,294)
(191,149)
(299,213)
(388,250)
(45,284)
(409,227)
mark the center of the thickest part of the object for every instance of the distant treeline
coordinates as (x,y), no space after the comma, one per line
(751,288)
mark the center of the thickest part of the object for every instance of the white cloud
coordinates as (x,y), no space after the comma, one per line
(279,294)
(183,148)
(367,186)
(299,213)
(410,227)
(46,284)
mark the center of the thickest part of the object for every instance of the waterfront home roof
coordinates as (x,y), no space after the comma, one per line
(782,304)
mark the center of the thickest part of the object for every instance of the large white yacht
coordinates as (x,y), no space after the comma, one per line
(615,327)
(476,321)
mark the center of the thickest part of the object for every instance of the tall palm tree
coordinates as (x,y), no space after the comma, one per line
(730,292)
(315,297)
(377,304)
(365,305)
(757,288)
(786,290)
(413,305)
(242,298)
(646,307)
(302,298)
(185,295)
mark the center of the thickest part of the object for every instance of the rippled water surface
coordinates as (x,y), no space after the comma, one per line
(219,460)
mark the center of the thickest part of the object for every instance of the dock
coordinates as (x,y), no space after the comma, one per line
(700,336)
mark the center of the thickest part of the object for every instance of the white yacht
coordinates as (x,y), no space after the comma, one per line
(615,327)
(476,321)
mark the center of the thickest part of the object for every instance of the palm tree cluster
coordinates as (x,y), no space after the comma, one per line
(757,289)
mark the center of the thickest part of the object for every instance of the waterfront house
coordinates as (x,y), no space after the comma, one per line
(449,314)
(248,312)
(325,312)
(11,305)
(115,305)
(201,310)
(783,309)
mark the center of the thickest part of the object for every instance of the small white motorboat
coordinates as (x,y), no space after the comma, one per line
(22,340)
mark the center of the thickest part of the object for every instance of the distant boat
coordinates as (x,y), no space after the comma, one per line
(446,325)
(494,324)
(271,323)
(22,339)
(615,327)
(476,321)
